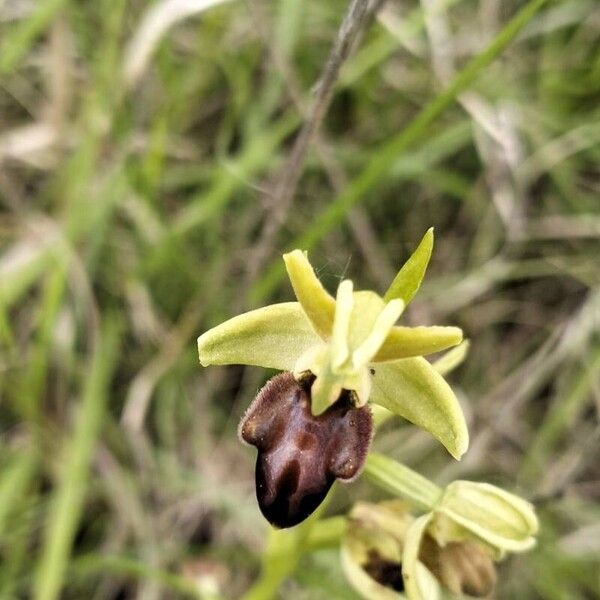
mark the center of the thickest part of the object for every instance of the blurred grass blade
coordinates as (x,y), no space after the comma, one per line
(374,52)
(256,153)
(17,43)
(66,506)
(562,415)
(384,157)
(15,546)
(155,23)
(27,401)
(14,482)
(409,277)
(24,262)
(93,564)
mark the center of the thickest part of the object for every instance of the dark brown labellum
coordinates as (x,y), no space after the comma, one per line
(300,455)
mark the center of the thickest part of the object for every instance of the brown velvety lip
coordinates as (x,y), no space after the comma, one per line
(300,455)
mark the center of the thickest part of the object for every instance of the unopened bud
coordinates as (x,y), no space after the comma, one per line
(462,567)
(498,518)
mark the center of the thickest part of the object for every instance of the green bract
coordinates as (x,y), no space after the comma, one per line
(350,342)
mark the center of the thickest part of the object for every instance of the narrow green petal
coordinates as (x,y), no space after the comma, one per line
(367,307)
(382,327)
(317,303)
(341,324)
(325,390)
(274,336)
(404,342)
(363,385)
(413,389)
(408,280)
(452,359)
(419,583)
(498,517)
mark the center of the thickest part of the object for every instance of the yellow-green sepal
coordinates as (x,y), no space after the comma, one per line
(409,277)
(414,390)
(404,342)
(317,303)
(273,337)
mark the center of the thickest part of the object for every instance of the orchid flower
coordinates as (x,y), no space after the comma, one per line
(351,343)
(312,424)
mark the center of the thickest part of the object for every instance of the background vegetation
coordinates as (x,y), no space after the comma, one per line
(140,206)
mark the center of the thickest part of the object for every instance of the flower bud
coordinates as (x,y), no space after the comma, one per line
(500,519)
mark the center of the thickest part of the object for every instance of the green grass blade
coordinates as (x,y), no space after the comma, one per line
(67,503)
(96,564)
(19,40)
(562,416)
(13,484)
(15,546)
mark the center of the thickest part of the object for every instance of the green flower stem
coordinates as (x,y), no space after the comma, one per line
(398,479)
(327,533)
(280,560)
(283,552)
